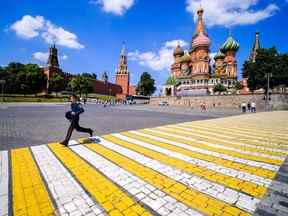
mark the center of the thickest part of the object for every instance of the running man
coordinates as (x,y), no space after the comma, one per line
(74,116)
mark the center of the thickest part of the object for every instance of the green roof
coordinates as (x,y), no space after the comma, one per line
(230,45)
(219,55)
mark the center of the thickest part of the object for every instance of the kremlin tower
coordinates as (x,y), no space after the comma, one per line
(122,74)
(52,65)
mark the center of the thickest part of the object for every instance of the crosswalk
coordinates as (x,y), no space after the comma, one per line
(212,167)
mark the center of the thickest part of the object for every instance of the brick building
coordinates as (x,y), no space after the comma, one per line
(120,89)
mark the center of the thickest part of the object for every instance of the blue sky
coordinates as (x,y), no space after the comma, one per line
(89,34)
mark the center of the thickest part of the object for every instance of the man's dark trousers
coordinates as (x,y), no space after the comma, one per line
(75,125)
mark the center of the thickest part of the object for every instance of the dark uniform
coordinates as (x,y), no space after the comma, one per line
(73,117)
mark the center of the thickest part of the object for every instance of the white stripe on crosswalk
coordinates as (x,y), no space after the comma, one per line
(224,156)
(215,154)
(4,181)
(143,191)
(69,196)
(204,186)
(235,149)
(213,134)
(241,131)
(198,162)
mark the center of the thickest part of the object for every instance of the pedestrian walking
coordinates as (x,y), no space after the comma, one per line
(253,107)
(243,107)
(249,107)
(74,116)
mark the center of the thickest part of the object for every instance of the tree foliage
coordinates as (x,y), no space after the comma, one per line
(81,85)
(146,85)
(238,85)
(57,83)
(23,78)
(219,88)
(267,61)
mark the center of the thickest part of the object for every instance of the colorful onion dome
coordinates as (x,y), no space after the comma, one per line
(178,50)
(219,55)
(201,40)
(230,45)
(185,58)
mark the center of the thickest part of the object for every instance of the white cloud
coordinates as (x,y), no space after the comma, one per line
(212,61)
(231,12)
(160,60)
(117,7)
(29,27)
(64,57)
(41,56)
(60,36)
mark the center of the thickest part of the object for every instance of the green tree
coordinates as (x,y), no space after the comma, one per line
(238,85)
(89,75)
(57,83)
(35,78)
(267,61)
(219,88)
(81,84)
(146,85)
(17,74)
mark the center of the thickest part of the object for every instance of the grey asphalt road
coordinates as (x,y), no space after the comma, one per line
(34,124)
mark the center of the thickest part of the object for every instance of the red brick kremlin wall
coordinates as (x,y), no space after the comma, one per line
(106,88)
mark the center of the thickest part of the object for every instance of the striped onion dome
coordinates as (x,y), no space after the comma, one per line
(230,45)
(200,41)
(219,55)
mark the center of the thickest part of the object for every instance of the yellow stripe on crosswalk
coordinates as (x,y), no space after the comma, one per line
(255,140)
(242,129)
(190,197)
(213,139)
(223,151)
(228,181)
(30,196)
(107,194)
(206,157)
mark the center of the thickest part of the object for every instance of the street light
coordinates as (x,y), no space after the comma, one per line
(2,82)
(268,91)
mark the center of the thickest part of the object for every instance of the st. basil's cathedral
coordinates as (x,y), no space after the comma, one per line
(191,70)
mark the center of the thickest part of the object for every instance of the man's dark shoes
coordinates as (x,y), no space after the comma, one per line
(91,133)
(64,143)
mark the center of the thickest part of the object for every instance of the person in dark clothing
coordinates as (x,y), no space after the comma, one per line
(249,107)
(74,116)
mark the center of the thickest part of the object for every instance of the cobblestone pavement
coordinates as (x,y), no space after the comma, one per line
(226,166)
(34,124)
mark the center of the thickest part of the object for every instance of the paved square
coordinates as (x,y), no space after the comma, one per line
(226,166)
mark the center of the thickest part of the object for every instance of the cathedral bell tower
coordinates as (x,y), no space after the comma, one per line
(122,74)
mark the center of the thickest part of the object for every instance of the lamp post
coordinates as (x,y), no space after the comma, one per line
(268,76)
(2,82)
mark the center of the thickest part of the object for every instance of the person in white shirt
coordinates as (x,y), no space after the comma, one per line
(253,107)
